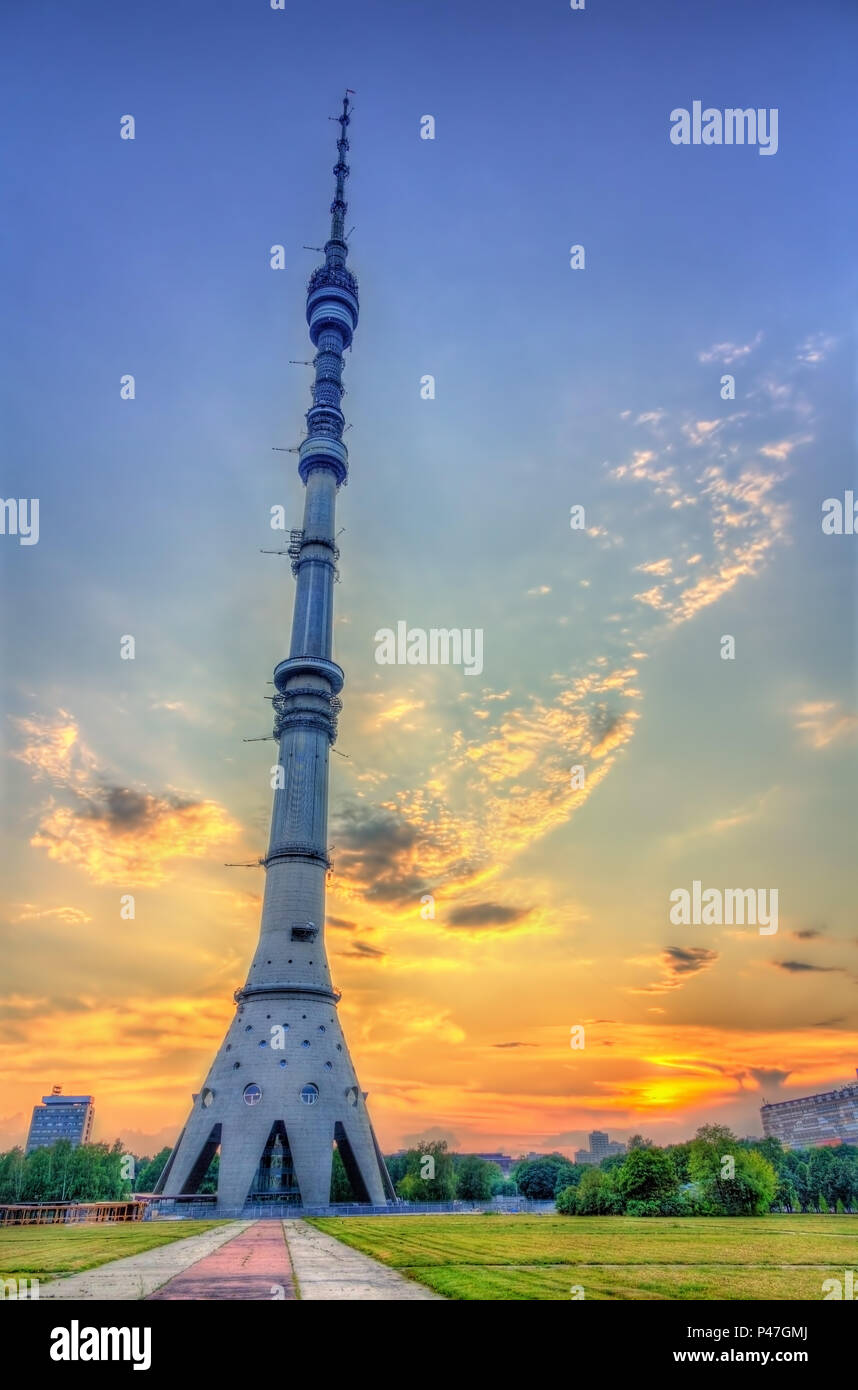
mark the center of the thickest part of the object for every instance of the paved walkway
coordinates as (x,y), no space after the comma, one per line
(254,1265)
(137,1276)
(243,1260)
(327,1269)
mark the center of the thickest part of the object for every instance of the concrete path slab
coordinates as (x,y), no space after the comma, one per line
(253,1266)
(137,1276)
(327,1269)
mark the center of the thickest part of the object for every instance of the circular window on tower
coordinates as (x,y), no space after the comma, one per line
(321,1028)
(329,1066)
(309,1093)
(252,1094)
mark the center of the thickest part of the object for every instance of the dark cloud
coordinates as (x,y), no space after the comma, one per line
(807,934)
(376,849)
(799,967)
(361,950)
(486,915)
(406,888)
(381,851)
(341,923)
(679,963)
(124,809)
(769,1076)
(687,960)
(514,1044)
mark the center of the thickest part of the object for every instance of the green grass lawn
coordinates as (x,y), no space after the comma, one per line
(543,1257)
(46,1252)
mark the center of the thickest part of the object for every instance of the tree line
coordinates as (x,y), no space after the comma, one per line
(64,1173)
(714,1174)
(430,1173)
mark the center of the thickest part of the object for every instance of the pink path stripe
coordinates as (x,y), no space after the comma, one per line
(254,1264)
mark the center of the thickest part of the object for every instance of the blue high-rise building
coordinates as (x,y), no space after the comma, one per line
(282,1090)
(61,1117)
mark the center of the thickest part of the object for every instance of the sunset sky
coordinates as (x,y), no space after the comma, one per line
(602,647)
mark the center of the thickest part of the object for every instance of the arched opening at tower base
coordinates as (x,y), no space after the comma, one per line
(353,1189)
(275,1180)
(205,1164)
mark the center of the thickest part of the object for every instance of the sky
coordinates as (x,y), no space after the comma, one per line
(554,388)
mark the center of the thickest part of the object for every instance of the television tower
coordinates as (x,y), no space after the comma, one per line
(282,1089)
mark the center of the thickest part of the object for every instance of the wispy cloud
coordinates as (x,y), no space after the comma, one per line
(824,722)
(70,916)
(815,348)
(728,353)
(397,711)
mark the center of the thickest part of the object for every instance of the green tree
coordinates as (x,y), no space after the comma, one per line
(567,1201)
(437,1186)
(647,1175)
(397,1166)
(12,1170)
(148,1170)
(637,1141)
(209,1180)
(38,1177)
(801,1183)
(474,1179)
(822,1169)
(597,1195)
(341,1188)
(539,1179)
(744,1187)
(679,1155)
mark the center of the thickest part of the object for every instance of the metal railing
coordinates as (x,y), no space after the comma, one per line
(170,1209)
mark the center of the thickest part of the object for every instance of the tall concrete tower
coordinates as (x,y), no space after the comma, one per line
(282,1090)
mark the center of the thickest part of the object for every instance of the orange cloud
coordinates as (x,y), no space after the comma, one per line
(114,834)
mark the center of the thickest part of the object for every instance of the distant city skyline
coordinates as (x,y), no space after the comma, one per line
(826,1118)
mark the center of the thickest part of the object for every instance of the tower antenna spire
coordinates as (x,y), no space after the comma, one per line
(337,249)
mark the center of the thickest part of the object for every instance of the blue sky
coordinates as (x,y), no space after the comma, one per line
(553,387)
